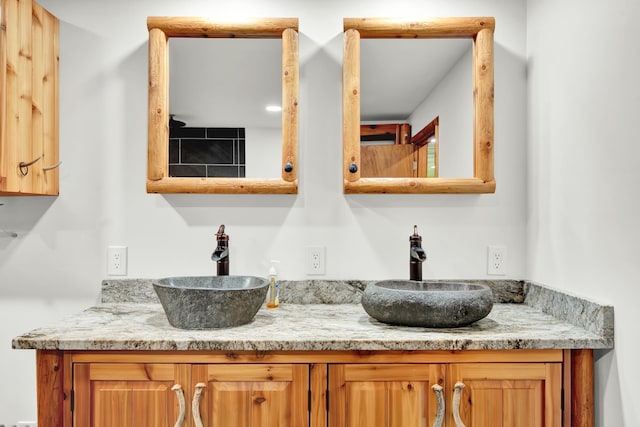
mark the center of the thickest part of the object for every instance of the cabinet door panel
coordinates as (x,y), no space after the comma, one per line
(125,395)
(366,404)
(408,402)
(503,403)
(523,401)
(394,395)
(254,395)
(517,394)
(131,403)
(250,404)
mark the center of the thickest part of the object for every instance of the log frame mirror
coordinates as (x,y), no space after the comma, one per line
(480,31)
(160,30)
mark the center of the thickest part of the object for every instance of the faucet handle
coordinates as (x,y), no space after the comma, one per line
(220,234)
(415,237)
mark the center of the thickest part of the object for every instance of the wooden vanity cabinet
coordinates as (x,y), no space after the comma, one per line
(316,389)
(402,395)
(231,395)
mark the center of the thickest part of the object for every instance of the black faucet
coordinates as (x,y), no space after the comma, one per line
(416,255)
(221,254)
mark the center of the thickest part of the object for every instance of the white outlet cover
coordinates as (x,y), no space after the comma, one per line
(117,261)
(497,260)
(315,260)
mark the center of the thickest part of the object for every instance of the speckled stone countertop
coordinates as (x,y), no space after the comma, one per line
(525,316)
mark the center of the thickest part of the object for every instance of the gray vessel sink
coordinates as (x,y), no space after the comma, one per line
(427,304)
(206,302)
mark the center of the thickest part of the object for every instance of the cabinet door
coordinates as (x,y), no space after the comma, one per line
(387,161)
(509,394)
(381,395)
(126,394)
(255,395)
(29,94)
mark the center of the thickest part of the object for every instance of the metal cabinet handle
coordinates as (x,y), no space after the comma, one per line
(457,393)
(437,389)
(23,167)
(195,404)
(180,395)
(52,167)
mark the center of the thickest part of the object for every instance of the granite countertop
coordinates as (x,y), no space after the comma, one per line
(130,319)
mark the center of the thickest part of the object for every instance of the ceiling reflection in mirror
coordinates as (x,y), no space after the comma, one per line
(425,87)
(221,92)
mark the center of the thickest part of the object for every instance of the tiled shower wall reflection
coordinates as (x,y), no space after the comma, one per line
(207,152)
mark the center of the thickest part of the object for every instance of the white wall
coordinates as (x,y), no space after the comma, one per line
(60,253)
(583,183)
(452,102)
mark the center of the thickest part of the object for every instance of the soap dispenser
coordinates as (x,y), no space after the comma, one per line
(274,286)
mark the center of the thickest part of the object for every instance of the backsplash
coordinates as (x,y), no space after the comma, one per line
(303,291)
(207,152)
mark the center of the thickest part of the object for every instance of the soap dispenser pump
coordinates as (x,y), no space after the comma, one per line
(274,286)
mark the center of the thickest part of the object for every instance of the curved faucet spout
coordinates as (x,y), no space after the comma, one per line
(220,254)
(417,254)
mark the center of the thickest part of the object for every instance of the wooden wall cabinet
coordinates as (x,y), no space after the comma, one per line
(29,46)
(316,389)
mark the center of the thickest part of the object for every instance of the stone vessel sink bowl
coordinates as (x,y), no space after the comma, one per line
(208,302)
(427,304)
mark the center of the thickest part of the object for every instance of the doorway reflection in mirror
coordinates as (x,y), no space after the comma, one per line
(413,84)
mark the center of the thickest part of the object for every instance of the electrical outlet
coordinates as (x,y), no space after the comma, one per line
(117,260)
(497,260)
(314,257)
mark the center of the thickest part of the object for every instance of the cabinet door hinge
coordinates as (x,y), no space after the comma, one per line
(327,400)
(72,400)
(562,399)
(308,400)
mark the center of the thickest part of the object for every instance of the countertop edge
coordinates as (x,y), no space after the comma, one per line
(284,346)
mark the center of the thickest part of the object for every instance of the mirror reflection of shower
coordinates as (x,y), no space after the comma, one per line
(227,92)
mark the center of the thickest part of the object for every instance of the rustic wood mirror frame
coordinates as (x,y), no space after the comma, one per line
(480,30)
(160,30)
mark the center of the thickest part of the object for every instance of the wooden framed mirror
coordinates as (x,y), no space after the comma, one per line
(161,30)
(479,30)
